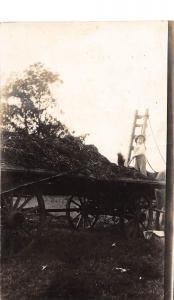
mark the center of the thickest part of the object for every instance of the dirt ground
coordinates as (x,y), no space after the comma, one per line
(98,264)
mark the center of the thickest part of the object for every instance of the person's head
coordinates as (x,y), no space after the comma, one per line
(140,139)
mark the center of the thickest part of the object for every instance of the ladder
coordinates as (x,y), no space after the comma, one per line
(139,127)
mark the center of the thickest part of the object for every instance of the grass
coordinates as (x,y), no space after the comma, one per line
(97,264)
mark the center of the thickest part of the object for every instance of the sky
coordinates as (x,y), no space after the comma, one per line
(109,70)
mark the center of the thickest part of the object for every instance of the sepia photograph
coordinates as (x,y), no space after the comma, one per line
(84,156)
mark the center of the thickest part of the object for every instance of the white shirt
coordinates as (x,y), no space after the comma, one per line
(139,149)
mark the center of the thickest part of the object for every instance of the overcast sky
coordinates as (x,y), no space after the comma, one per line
(109,69)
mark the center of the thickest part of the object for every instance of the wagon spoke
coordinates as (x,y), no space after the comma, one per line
(84,222)
(89,221)
(25,202)
(76,203)
(82,200)
(142,224)
(16,203)
(78,222)
(76,217)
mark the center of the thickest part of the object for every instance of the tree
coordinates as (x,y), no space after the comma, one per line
(33,138)
(31,97)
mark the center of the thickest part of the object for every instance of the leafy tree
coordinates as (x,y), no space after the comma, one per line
(32,137)
(31,97)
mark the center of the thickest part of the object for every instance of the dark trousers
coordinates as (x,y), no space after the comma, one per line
(140,164)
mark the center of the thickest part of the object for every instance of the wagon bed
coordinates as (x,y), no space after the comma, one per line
(15,177)
(23,206)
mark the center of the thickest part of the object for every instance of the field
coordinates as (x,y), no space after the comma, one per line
(98,264)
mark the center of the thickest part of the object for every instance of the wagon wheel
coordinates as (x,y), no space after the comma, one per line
(22,217)
(137,214)
(81,213)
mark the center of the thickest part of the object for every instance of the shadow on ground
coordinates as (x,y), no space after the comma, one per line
(98,264)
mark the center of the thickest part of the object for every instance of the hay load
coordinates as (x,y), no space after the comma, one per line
(61,154)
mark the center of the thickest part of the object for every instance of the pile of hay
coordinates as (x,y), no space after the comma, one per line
(62,154)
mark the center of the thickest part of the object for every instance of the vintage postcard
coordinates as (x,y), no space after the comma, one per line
(84,135)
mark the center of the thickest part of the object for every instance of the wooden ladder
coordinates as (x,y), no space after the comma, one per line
(139,127)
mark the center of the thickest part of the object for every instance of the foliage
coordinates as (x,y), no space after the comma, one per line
(31,137)
(27,99)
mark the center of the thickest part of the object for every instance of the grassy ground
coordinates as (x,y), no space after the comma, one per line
(85,265)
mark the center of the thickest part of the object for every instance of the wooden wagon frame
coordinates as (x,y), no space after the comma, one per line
(129,200)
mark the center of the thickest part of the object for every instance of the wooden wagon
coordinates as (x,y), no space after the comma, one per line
(129,200)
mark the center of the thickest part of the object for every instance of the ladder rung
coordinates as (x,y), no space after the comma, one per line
(139,125)
(140,116)
(142,125)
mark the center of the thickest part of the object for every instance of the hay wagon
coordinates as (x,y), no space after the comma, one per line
(128,200)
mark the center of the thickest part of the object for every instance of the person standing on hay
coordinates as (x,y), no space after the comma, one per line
(140,154)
